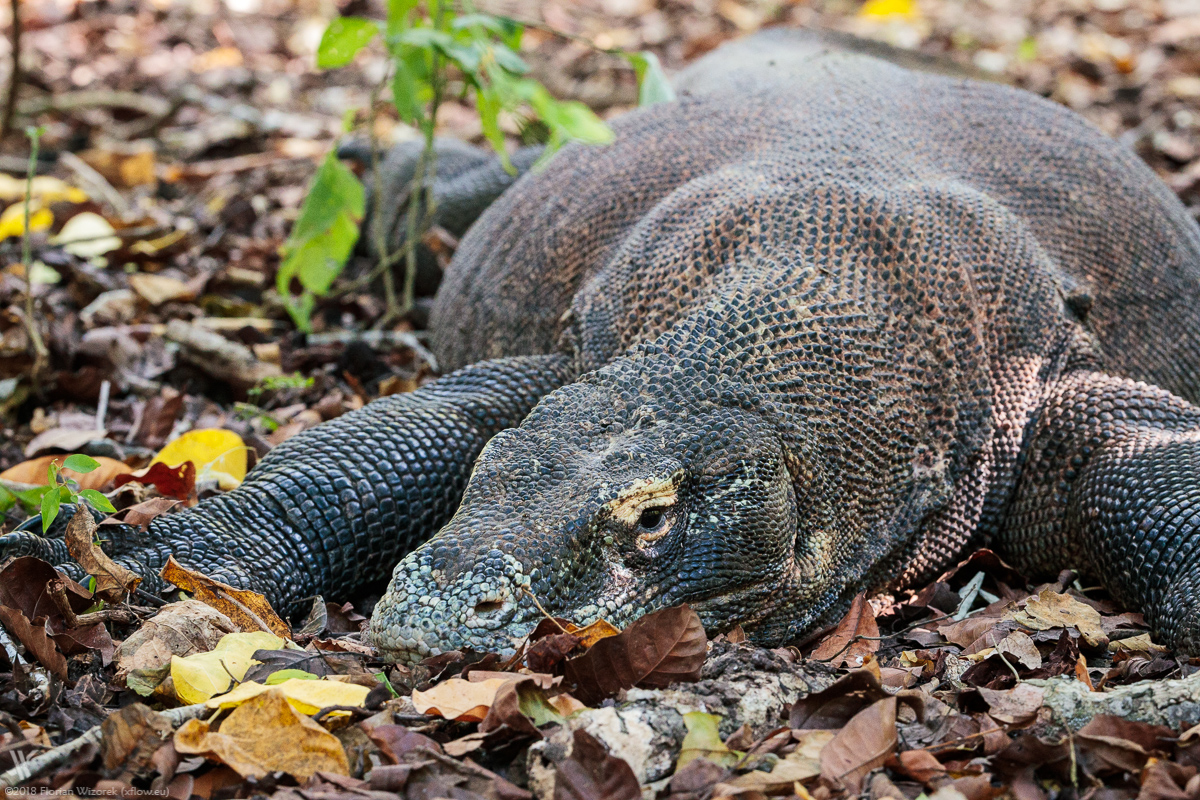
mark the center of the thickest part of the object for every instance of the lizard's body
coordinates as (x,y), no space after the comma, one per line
(828,323)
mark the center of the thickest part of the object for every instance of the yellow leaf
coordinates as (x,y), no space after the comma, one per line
(589,635)
(217,453)
(465,701)
(265,735)
(306,696)
(801,764)
(1136,644)
(199,677)
(249,610)
(45,190)
(87,235)
(890,9)
(703,740)
(12,221)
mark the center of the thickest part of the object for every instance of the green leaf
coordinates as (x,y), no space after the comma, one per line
(408,87)
(7,500)
(50,504)
(322,257)
(509,60)
(466,56)
(342,40)
(532,703)
(573,119)
(31,499)
(653,86)
(425,38)
(382,678)
(300,310)
(287,674)
(80,463)
(398,12)
(97,500)
(488,104)
(326,230)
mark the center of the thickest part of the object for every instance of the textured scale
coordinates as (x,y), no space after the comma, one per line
(821,326)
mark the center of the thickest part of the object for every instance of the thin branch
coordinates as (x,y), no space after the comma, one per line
(14,76)
(40,354)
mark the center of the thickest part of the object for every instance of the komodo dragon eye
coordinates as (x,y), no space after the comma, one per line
(653,523)
(651,518)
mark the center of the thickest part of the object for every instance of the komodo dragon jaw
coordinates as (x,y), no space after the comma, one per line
(609,503)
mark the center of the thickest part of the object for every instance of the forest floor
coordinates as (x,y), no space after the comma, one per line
(179,139)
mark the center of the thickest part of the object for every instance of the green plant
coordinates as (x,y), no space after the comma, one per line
(276,383)
(66,490)
(428,46)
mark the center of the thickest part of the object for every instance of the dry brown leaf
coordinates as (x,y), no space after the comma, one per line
(1050,610)
(458,699)
(159,289)
(35,472)
(843,647)
(179,629)
(113,582)
(661,648)
(142,514)
(131,736)
(68,439)
(37,642)
(863,745)
(590,773)
(1015,706)
(1022,648)
(250,611)
(264,735)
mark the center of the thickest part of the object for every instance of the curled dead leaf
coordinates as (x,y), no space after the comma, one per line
(250,611)
(661,648)
(113,582)
(854,639)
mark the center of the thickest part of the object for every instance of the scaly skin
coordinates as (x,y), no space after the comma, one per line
(820,327)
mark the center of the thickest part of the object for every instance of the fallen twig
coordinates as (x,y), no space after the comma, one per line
(47,761)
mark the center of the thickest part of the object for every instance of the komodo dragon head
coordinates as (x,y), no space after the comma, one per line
(609,503)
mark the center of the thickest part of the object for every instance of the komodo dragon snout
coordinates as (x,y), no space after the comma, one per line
(605,504)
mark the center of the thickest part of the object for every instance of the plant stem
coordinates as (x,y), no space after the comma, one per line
(40,354)
(14,77)
(414,223)
(381,243)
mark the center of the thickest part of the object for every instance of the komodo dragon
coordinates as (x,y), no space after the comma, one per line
(821,326)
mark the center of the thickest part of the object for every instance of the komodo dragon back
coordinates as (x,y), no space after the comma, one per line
(818,327)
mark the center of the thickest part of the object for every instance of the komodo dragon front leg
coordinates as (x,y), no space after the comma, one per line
(331,510)
(1111,483)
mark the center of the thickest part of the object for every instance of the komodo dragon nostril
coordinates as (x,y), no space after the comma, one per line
(488,607)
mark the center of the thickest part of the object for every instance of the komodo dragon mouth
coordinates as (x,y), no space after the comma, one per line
(821,326)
